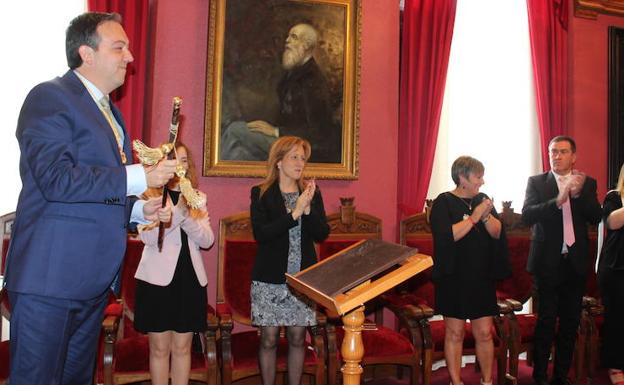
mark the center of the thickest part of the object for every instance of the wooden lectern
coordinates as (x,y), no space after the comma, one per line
(343,282)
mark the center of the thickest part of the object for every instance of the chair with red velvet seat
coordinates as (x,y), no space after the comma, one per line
(6,224)
(126,351)
(239,350)
(417,298)
(382,346)
(592,317)
(518,288)
(4,348)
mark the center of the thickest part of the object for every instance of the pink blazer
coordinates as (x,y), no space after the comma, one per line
(157,267)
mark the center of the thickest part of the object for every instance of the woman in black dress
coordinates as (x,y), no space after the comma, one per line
(171,301)
(470,253)
(611,280)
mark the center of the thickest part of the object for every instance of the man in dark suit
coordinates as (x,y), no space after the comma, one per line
(559,205)
(76,202)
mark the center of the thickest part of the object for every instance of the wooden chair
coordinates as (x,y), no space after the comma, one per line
(517,289)
(239,350)
(6,225)
(5,360)
(125,354)
(416,298)
(592,318)
(382,345)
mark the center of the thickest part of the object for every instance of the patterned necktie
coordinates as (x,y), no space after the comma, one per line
(568,225)
(108,114)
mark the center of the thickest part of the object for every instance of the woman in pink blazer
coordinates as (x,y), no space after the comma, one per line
(171,301)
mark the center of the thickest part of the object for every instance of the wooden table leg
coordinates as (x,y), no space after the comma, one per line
(352,349)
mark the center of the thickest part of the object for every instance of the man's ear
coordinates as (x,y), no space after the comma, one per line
(86,54)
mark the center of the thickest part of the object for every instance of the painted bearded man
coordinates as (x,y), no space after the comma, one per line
(304,108)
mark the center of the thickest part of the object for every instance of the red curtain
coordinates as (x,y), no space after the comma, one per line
(548,24)
(426,45)
(130,98)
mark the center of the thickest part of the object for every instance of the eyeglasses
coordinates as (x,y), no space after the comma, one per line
(555,152)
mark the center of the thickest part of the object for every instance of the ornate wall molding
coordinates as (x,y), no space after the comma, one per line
(589,9)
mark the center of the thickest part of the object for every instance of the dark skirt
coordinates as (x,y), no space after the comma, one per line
(180,306)
(465,297)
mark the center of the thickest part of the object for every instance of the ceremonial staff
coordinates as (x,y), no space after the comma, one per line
(173,136)
(151,156)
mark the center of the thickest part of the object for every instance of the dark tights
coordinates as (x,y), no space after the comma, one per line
(267,354)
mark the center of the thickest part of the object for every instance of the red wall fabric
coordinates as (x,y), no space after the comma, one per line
(427,34)
(130,98)
(588,77)
(549,50)
(179,69)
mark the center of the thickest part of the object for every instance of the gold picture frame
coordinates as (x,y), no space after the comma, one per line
(313,93)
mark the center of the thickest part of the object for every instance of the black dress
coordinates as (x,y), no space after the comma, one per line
(180,306)
(611,280)
(465,271)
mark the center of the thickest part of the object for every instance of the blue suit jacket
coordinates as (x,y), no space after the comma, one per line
(69,235)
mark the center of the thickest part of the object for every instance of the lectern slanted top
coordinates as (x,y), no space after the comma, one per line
(357,274)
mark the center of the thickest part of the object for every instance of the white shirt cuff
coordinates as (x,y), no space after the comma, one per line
(136,180)
(137,213)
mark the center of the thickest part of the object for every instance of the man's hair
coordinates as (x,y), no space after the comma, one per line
(464,166)
(564,138)
(82,30)
(309,36)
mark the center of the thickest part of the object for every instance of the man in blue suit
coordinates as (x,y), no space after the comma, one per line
(76,203)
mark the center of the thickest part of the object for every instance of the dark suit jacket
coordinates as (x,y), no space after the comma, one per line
(69,235)
(540,211)
(305,111)
(271,223)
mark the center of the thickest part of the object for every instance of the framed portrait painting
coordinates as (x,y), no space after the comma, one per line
(277,68)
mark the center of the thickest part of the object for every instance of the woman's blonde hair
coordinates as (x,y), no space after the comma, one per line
(191,175)
(278,151)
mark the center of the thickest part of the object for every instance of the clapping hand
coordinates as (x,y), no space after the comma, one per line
(484,208)
(305,198)
(576,182)
(309,191)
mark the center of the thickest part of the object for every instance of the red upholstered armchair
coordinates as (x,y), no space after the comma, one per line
(518,288)
(6,224)
(239,351)
(592,317)
(126,351)
(417,299)
(382,346)
(4,345)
